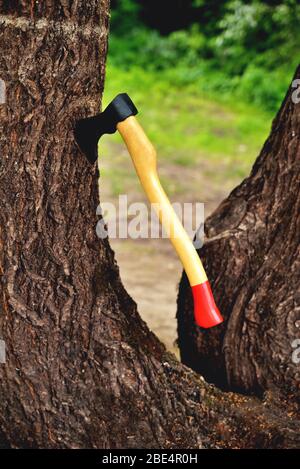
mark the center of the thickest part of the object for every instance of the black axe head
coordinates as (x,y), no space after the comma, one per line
(88,131)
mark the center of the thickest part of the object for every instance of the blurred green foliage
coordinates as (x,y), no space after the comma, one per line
(188,128)
(236,49)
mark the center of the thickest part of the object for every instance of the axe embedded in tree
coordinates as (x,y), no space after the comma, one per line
(119,115)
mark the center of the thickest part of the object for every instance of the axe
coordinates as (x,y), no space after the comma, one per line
(119,115)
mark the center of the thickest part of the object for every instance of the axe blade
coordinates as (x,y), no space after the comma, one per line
(88,131)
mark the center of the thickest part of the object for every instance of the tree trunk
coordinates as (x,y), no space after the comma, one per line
(252,257)
(82,369)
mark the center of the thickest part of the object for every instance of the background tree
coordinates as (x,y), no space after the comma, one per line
(225,47)
(82,368)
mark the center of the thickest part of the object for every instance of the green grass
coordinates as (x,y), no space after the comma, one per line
(187,126)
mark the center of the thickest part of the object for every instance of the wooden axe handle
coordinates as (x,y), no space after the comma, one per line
(144,159)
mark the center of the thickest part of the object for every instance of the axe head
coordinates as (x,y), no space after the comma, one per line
(88,131)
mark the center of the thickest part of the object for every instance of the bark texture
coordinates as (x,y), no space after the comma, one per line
(82,369)
(252,255)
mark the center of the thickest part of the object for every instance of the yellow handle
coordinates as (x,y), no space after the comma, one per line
(143,156)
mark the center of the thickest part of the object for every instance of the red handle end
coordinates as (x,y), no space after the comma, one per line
(205,309)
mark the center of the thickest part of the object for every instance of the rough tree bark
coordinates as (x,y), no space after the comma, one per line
(82,369)
(252,254)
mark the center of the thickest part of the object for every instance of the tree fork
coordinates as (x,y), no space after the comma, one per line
(82,369)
